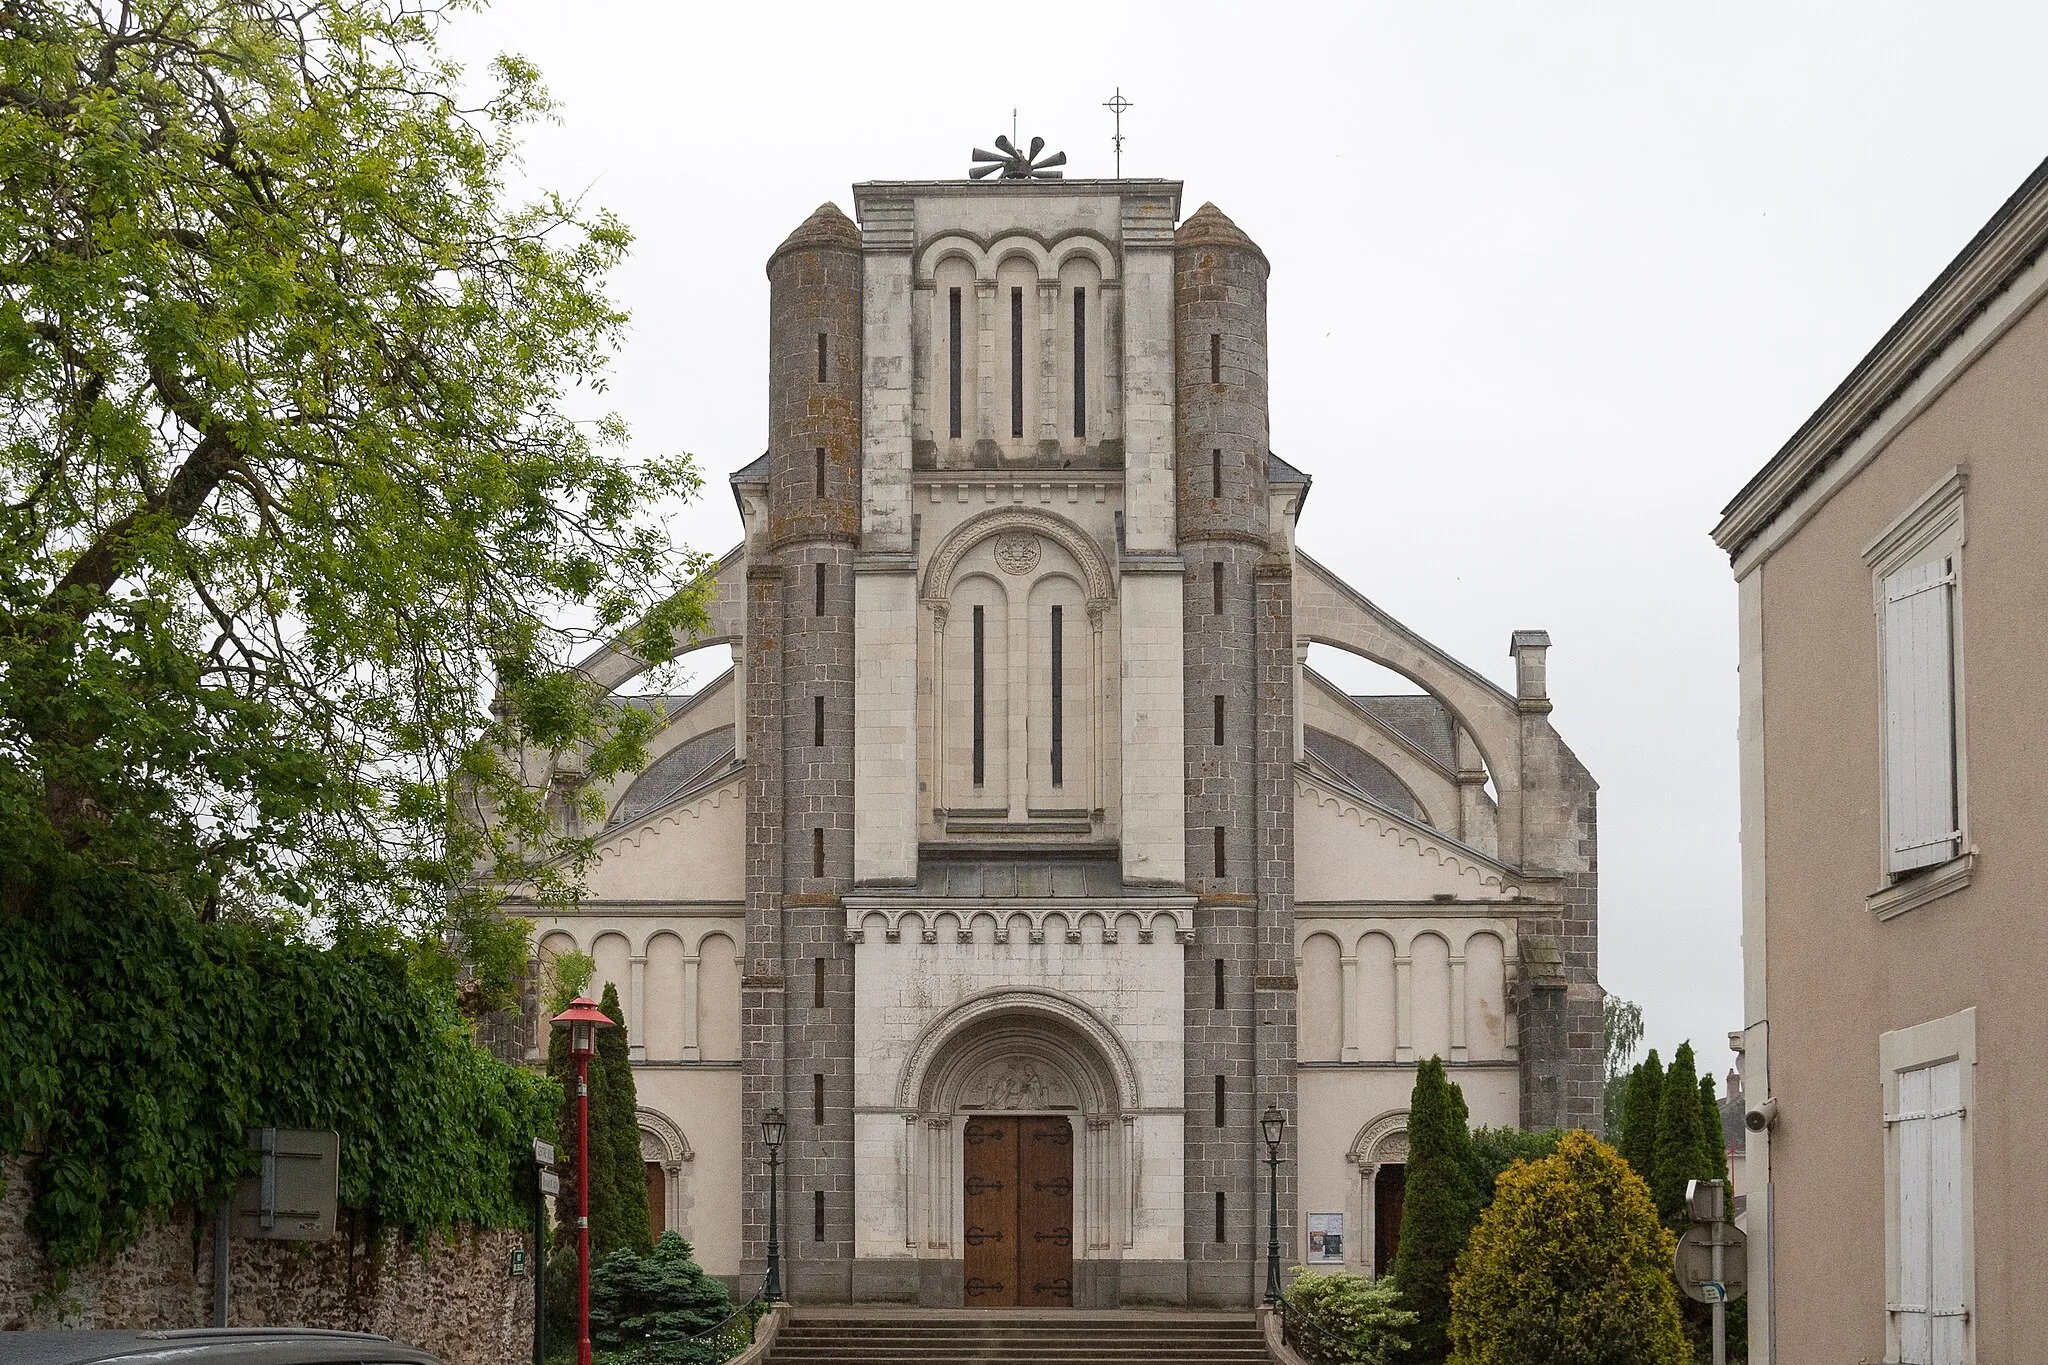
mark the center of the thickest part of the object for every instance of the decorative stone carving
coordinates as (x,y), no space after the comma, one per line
(1019,1085)
(1017,552)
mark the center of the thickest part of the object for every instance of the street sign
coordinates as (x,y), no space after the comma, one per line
(543,1152)
(1713,1292)
(293,1195)
(518,1262)
(550,1183)
(1696,1262)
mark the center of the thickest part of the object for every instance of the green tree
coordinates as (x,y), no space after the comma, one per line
(646,1304)
(1440,1203)
(1639,1116)
(1569,1266)
(1622,1026)
(1680,1147)
(1496,1149)
(292,479)
(1713,1141)
(615,1112)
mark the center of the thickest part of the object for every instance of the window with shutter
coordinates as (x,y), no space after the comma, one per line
(1919,716)
(1930,1304)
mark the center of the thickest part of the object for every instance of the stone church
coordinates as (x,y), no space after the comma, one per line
(1020,858)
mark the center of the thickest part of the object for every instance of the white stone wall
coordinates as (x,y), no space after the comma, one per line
(885,819)
(901,988)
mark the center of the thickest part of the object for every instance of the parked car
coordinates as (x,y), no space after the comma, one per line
(208,1346)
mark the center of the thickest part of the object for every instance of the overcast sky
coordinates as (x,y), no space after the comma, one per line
(1550,281)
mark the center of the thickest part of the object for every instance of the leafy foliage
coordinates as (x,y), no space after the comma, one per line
(1351,1319)
(1622,1027)
(286,471)
(1568,1267)
(143,1045)
(1496,1149)
(1440,1203)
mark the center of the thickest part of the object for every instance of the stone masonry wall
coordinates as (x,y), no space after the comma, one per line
(456,1298)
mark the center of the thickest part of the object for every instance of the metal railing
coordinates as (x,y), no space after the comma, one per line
(734,1333)
(1311,1341)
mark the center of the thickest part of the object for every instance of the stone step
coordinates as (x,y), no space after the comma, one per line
(1017,1337)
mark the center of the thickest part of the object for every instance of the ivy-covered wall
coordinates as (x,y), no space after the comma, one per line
(454,1296)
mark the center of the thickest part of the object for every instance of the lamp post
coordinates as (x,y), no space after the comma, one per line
(772,1124)
(584,1019)
(1273,1126)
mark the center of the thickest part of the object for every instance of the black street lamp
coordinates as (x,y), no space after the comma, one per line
(772,1125)
(1273,1126)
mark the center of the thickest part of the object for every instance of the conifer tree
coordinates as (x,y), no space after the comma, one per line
(615,1109)
(1639,1117)
(1440,1205)
(1714,1141)
(1679,1147)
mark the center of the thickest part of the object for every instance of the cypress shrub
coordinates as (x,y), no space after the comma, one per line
(1679,1155)
(1714,1142)
(1639,1116)
(1440,1204)
(1496,1149)
(624,1222)
(1568,1266)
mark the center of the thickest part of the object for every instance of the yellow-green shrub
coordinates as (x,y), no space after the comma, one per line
(1569,1266)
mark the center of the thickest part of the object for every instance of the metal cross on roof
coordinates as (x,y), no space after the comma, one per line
(1016,165)
(1116,104)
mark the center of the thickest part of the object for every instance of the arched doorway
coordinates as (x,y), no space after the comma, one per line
(1380,1151)
(1021,1102)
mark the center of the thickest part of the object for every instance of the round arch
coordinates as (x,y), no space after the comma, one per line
(957,1048)
(938,579)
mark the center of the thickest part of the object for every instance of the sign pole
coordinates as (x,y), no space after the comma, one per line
(1721,1303)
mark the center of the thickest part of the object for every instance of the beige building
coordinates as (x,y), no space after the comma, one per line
(1894,622)
(1021,825)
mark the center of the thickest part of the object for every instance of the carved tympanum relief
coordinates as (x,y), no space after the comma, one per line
(1017,552)
(1019,1084)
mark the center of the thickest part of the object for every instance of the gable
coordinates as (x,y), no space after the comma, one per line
(1350,849)
(693,849)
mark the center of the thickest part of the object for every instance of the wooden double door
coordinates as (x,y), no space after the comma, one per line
(1018,1184)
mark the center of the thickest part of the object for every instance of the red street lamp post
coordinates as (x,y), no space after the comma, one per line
(584,1019)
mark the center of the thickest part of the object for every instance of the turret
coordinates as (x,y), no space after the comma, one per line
(1219,315)
(814,362)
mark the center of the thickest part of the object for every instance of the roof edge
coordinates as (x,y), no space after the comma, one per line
(1979,273)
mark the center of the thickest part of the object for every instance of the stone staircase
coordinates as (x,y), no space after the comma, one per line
(1017,1336)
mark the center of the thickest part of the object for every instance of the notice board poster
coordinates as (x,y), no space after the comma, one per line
(1325,1238)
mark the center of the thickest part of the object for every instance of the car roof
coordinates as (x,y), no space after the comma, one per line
(209,1346)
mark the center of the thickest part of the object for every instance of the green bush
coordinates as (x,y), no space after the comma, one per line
(644,1306)
(1568,1266)
(1496,1149)
(1348,1319)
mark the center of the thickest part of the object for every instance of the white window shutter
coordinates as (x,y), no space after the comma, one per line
(1915,1196)
(1946,1309)
(1919,714)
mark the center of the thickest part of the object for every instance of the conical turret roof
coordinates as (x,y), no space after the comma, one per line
(827,227)
(1210,226)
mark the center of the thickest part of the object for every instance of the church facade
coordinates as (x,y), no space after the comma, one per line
(1020,859)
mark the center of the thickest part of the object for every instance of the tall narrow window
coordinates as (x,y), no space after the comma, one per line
(821,357)
(1219,1215)
(817,1215)
(818,981)
(1219,982)
(818,477)
(818,1098)
(1922,816)
(1216,587)
(817,722)
(818,851)
(953,362)
(1220,1115)
(1219,721)
(1080,362)
(1215,357)
(1059,698)
(1216,473)
(980,697)
(1220,868)
(1016,362)
(818,579)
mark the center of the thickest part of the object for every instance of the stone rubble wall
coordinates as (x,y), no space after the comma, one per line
(456,1297)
